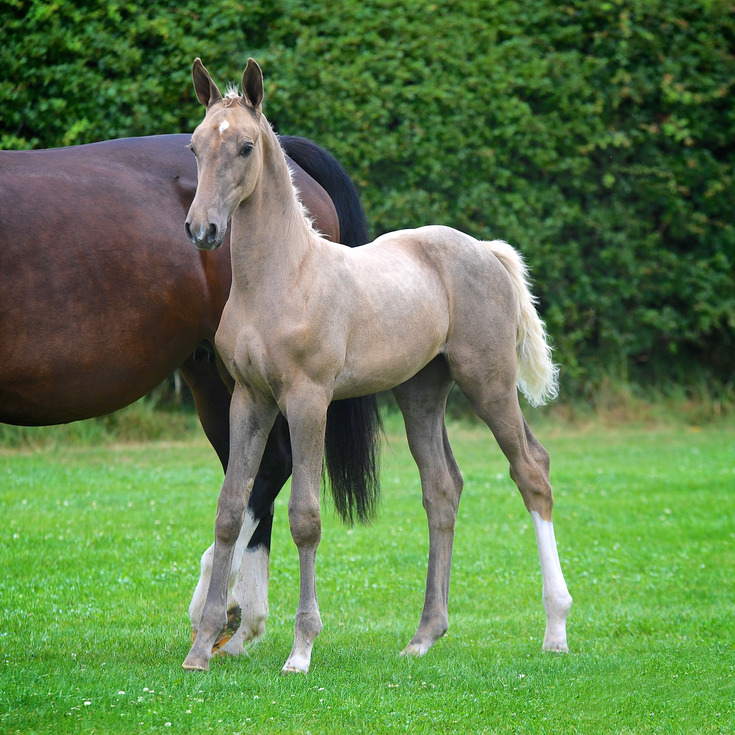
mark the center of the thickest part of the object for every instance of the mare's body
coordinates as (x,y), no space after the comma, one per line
(102,297)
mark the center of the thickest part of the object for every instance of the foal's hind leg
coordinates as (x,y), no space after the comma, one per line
(496,403)
(422,401)
(556,597)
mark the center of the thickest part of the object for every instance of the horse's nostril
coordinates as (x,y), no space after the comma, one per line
(187,227)
(212,236)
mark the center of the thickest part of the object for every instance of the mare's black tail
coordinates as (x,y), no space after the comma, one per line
(354,427)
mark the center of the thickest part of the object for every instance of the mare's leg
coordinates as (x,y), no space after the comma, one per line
(495,401)
(247,605)
(306,409)
(212,399)
(250,426)
(422,401)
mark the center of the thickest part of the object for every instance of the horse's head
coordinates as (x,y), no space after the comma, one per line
(228,152)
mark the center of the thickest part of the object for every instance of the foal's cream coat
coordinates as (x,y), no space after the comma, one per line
(415,311)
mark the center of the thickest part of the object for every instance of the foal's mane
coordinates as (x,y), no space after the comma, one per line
(308,217)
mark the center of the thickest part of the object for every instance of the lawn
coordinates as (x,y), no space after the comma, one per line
(99,552)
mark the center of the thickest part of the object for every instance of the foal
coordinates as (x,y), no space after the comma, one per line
(416,310)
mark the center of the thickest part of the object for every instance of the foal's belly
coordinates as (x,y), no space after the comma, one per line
(399,322)
(380,359)
(351,383)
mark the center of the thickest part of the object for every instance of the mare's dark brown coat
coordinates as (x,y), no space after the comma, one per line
(101,295)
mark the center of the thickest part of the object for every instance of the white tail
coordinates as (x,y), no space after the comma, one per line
(537,375)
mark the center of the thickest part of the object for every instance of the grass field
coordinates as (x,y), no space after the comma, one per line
(99,552)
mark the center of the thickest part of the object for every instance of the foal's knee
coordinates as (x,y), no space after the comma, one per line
(306,525)
(229,521)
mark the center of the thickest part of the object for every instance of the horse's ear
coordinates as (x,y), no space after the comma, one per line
(252,84)
(206,89)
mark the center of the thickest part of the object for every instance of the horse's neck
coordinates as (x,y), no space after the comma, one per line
(269,233)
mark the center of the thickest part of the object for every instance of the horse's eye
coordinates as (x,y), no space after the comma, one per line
(246,150)
(191,148)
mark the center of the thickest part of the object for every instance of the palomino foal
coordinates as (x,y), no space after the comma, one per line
(416,311)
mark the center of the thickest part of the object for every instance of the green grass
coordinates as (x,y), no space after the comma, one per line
(99,552)
(143,420)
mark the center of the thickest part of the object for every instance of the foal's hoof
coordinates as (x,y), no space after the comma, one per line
(287,670)
(196,663)
(556,646)
(555,637)
(415,649)
(296,664)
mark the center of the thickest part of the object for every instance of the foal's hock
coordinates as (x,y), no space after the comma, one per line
(416,311)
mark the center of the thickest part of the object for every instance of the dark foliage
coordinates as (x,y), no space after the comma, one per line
(595,136)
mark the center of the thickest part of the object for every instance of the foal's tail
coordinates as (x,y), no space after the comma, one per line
(537,375)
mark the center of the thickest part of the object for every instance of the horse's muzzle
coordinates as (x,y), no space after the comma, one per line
(208,237)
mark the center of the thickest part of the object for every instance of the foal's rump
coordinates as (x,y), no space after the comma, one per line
(492,303)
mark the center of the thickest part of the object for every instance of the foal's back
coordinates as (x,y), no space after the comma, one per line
(416,294)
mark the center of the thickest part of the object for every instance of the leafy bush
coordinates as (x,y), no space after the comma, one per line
(77,72)
(595,136)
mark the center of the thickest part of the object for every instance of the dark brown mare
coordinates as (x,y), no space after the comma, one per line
(102,297)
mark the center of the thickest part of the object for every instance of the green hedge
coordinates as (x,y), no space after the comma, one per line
(595,136)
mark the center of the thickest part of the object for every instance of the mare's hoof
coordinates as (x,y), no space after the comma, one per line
(234,618)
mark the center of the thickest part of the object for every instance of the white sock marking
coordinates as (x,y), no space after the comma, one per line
(251,594)
(556,597)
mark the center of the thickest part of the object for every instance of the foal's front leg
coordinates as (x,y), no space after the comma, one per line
(306,412)
(250,424)
(247,603)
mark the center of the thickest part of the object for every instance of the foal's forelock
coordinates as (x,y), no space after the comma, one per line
(231,95)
